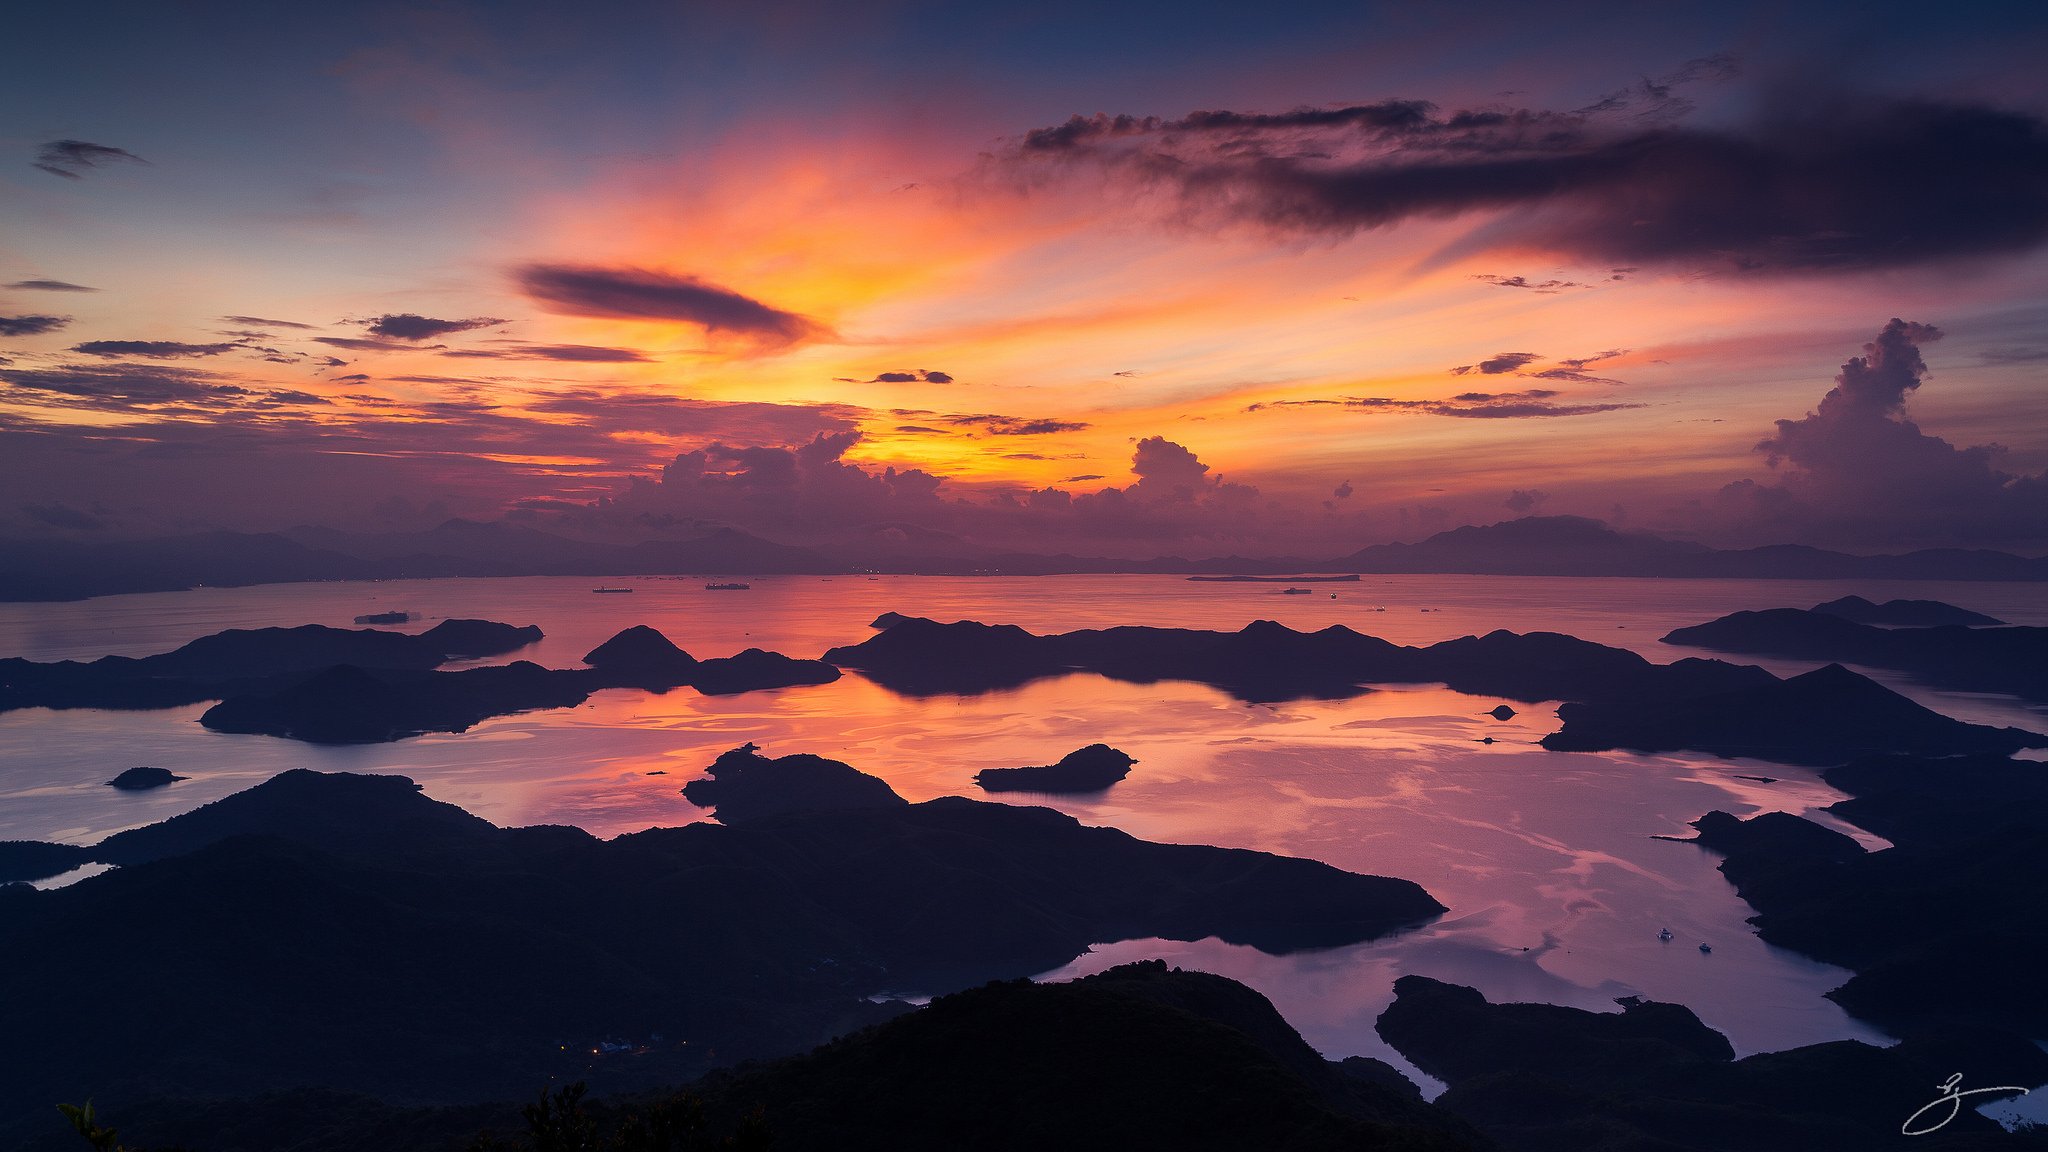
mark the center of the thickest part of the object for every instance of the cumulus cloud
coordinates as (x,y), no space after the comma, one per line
(1856,470)
(1524,501)
(642,294)
(72,159)
(153,349)
(1804,187)
(49,286)
(31,325)
(412,326)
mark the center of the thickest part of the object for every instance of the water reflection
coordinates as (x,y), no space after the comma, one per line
(1550,863)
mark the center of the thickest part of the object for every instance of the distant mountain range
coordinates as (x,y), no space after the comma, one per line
(1532,546)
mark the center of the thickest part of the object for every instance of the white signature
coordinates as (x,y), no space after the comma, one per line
(1952,1097)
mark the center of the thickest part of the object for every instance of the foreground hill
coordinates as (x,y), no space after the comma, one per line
(347,933)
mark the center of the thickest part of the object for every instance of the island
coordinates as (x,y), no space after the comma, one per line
(337,686)
(1089,769)
(144,778)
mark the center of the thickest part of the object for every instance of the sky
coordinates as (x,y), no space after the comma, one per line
(1123,280)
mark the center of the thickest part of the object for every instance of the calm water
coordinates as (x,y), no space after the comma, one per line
(1548,861)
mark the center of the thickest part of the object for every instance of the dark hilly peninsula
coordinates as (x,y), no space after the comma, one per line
(341,686)
(1615,699)
(1945,926)
(1543,1078)
(349,934)
(2012,660)
(1140,1056)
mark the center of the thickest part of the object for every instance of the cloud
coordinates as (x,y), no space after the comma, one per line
(49,286)
(570,353)
(153,349)
(1857,471)
(1812,186)
(1540,287)
(642,294)
(744,422)
(31,325)
(72,159)
(1494,366)
(1523,501)
(1533,402)
(358,345)
(262,322)
(414,327)
(1013,425)
(117,386)
(1343,491)
(903,376)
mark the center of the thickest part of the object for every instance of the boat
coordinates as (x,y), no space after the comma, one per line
(1706,948)
(727,587)
(611,591)
(1294,592)
(1665,934)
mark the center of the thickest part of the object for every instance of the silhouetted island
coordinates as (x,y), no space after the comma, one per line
(1616,699)
(384,618)
(143,778)
(1827,716)
(1089,769)
(2005,659)
(348,933)
(744,785)
(1652,1076)
(213,667)
(336,686)
(1903,613)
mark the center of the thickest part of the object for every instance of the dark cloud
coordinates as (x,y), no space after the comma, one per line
(119,385)
(72,159)
(1013,425)
(1494,366)
(902,376)
(49,286)
(1540,287)
(153,349)
(31,325)
(641,294)
(1532,403)
(263,322)
(1524,501)
(414,327)
(1806,186)
(743,422)
(570,353)
(1343,491)
(1857,471)
(355,345)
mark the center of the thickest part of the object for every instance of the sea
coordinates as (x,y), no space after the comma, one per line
(1556,867)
